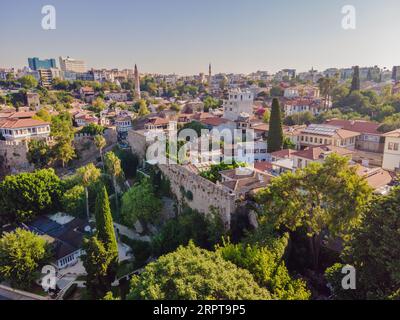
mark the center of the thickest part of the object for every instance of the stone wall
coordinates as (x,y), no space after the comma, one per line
(85,146)
(138,144)
(13,156)
(205,193)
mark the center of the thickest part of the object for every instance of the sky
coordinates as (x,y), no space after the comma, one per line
(184,36)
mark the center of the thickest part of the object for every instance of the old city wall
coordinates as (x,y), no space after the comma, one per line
(205,193)
(85,146)
(138,144)
(13,156)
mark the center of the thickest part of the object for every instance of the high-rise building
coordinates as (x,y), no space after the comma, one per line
(36,64)
(137,83)
(72,65)
(48,75)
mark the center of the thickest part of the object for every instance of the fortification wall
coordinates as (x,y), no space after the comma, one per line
(205,193)
(138,144)
(13,156)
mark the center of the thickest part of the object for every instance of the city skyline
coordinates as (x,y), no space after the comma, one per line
(235,36)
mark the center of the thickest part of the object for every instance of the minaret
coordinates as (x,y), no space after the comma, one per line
(209,77)
(137,83)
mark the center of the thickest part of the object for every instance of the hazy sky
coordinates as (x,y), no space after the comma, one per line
(183,36)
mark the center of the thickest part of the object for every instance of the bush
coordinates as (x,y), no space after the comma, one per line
(140,249)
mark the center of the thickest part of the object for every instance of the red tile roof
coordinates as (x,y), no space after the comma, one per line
(215,121)
(21,123)
(359,126)
(315,153)
(283,154)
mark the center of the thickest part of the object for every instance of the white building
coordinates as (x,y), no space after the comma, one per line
(19,129)
(238,102)
(72,65)
(391,153)
(291,93)
(123,124)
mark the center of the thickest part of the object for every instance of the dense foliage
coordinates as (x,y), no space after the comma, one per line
(25,195)
(21,253)
(191,273)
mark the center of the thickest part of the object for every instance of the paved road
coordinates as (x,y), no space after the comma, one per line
(6,293)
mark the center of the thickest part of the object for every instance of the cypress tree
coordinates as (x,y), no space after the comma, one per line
(355,84)
(275,134)
(105,232)
(104,221)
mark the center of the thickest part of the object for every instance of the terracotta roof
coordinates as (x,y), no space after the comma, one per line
(18,115)
(263,166)
(261,127)
(21,123)
(248,184)
(215,121)
(345,134)
(235,173)
(360,126)
(318,152)
(393,134)
(376,177)
(202,115)
(283,154)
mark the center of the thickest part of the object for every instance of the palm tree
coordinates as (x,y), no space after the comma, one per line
(88,175)
(113,167)
(100,143)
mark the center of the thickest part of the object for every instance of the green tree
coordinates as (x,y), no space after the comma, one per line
(373,249)
(205,230)
(140,203)
(98,105)
(113,167)
(276,92)
(100,143)
(211,103)
(64,151)
(191,273)
(104,222)
(275,133)
(129,162)
(88,175)
(26,195)
(266,116)
(143,110)
(97,261)
(21,253)
(93,129)
(73,201)
(322,197)
(105,230)
(39,153)
(268,269)
(28,82)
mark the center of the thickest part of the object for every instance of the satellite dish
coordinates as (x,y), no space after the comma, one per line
(88,229)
